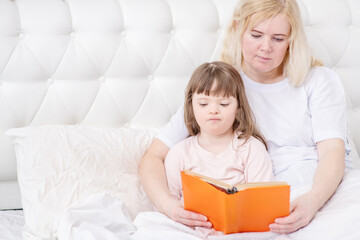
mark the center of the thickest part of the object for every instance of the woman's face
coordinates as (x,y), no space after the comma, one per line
(265,45)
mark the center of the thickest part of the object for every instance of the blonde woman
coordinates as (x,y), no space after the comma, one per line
(299,107)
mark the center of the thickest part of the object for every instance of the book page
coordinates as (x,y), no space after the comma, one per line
(230,188)
(213,181)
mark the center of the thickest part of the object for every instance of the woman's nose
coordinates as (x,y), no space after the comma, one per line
(266,44)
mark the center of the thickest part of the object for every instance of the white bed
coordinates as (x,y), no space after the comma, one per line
(11,223)
(335,221)
(95,79)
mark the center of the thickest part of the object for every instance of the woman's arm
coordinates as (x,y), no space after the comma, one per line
(153,179)
(152,173)
(328,175)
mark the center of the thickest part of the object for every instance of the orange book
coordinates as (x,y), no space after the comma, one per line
(248,207)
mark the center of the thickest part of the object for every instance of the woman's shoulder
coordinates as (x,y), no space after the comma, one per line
(321,78)
(320,74)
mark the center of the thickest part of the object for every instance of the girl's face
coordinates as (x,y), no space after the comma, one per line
(214,114)
(265,45)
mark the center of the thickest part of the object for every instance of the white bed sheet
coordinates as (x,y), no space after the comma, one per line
(94,219)
(11,223)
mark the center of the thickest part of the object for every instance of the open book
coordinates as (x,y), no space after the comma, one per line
(248,207)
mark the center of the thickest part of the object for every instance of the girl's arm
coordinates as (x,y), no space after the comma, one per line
(153,179)
(328,175)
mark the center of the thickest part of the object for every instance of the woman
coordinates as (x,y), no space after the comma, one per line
(299,107)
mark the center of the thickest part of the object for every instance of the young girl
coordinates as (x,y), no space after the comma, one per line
(224,143)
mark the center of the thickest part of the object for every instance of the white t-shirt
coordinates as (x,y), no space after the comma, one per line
(238,163)
(292,119)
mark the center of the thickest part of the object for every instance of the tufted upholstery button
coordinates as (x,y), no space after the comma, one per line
(172,32)
(21,35)
(72,34)
(123,33)
(151,77)
(102,79)
(1,82)
(127,124)
(50,81)
(355,109)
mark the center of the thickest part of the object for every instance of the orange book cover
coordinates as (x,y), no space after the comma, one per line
(248,207)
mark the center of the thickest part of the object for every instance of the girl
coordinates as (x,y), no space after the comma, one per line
(224,142)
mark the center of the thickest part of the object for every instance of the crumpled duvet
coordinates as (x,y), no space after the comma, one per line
(104,217)
(99,217)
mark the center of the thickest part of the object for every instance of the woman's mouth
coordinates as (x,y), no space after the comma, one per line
(263,58)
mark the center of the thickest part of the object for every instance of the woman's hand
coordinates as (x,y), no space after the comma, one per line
(328,175)
(174,210)
(302,211)
(153,179)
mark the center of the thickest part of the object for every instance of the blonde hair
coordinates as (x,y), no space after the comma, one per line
(228,83)
(298,59)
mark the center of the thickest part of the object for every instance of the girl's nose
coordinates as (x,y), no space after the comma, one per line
(214,109)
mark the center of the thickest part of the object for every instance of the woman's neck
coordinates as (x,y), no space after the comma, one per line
(215,143)
(273,76)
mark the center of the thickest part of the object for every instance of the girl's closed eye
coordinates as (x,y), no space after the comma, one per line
(224,104)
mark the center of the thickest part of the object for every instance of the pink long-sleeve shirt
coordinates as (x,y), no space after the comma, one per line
(238,163)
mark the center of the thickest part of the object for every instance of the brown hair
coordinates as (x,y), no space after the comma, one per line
(228,83)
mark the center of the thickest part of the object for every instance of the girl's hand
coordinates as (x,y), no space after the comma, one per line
(175,210)
(302,211)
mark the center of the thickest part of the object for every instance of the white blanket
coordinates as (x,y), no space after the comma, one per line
(103,217)
(11,222)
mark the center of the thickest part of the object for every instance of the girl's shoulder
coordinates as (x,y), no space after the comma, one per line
(183,145)
(250,143)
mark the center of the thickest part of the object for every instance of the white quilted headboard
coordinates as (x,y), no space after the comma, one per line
(123,63)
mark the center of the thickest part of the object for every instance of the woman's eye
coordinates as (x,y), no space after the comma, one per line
(278,39)
(256,36)
(202,104)
(224,104)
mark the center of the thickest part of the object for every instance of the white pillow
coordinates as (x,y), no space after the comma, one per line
(60,165)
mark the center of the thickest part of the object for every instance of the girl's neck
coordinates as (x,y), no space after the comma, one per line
(215,143)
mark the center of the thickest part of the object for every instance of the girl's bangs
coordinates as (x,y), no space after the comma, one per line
(220,86)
